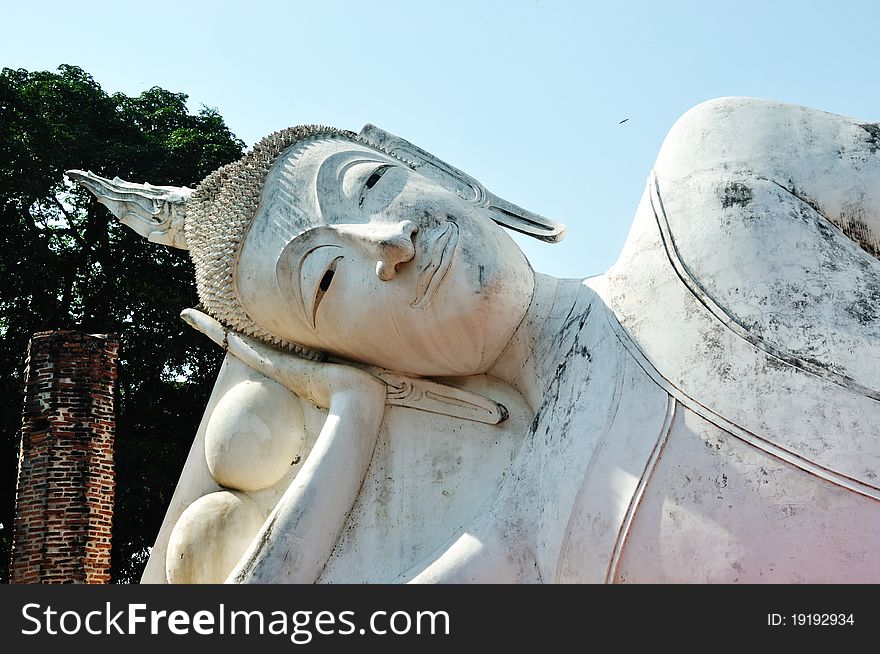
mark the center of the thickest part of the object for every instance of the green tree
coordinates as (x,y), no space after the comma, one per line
(66,263)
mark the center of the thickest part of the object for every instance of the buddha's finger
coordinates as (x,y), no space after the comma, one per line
(315,381)
(311,380)
(293,372)
(206,324)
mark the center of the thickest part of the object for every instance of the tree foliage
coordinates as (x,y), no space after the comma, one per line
(66,263)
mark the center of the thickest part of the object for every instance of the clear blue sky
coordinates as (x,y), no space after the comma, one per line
(526,96)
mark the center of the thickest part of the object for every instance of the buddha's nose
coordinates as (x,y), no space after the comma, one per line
(396,248)
(391,244)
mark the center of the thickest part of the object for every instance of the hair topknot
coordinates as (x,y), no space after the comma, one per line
(218,214)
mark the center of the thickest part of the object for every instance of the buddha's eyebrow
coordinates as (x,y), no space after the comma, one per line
(289,267)
(332,171)
(311,294)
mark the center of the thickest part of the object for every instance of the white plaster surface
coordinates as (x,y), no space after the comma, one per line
(707,411)
(254,434)
(227,521)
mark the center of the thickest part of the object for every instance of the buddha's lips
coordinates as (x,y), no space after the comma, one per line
(435,268)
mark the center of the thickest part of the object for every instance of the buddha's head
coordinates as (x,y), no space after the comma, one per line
(331,242)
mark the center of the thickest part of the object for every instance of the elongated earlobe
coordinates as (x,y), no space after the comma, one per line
(155,212)
(466,187)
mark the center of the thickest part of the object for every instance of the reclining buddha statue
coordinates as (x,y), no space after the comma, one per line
(404,399)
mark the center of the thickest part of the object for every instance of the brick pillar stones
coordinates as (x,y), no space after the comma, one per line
(65,489)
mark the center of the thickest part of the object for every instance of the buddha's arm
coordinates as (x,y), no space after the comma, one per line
(295,542)
(300,533)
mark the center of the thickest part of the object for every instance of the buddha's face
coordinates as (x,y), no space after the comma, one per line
(355,254)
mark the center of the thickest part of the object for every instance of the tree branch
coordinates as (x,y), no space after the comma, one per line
(59,204)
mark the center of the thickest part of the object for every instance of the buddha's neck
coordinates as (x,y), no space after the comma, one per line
(528,363)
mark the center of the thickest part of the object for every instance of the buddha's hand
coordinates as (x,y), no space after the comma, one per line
(315,381)
(297,538)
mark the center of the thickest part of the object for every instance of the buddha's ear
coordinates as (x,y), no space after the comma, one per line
(466,187)
(155,212)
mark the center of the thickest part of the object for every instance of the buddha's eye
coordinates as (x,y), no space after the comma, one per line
(324,286)
(326,280)
(375,177)
(372,180)
(317,270)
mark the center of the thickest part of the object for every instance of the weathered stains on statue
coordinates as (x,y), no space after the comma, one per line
(861,234)
(577,351)
(864,305)
(792,189)
(854,221)
(736,193)
(873,138)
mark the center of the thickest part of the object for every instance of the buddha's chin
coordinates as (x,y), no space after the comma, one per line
(466,337)
(441,344)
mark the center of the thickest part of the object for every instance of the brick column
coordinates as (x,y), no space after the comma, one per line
(64,495)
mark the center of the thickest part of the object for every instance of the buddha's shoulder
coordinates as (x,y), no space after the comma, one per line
(763,137)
